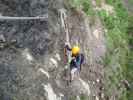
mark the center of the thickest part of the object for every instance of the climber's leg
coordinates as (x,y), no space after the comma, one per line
(73,71)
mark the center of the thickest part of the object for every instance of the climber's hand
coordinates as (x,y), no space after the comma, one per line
(67,44)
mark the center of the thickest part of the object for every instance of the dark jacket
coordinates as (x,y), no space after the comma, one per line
(77,61)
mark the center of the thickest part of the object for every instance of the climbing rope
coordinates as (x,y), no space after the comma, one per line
(67,53)
(64,25)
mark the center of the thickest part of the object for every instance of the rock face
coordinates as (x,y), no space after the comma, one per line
(31,60)
(23,8)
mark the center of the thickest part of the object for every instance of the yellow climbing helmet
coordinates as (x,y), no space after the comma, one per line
(75,50)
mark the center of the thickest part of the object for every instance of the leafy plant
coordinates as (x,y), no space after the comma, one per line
(98,2)
(85,5)
(118,55)
(119,58)
(83,97)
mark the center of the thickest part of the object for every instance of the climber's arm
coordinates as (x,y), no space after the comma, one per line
(67,46)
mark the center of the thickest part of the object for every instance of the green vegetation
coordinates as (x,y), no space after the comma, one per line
(130,4)
(118,58)
(85,5)
(98,2)
(72,98)
(119,36)
(82,97)
(130,29)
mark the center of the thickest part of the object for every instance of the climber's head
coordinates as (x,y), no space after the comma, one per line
(75,50)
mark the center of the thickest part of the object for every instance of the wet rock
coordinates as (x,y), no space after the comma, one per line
(93,82)
(2,38)
(101,88)
(26,54)
(2,45)
(53,64)
(79,86)
(50,94)
(77,98)
(102,95)
(97,98)
(45,48)
(13,41)
(41,70)
(107,98)
(57,56)
(97,80)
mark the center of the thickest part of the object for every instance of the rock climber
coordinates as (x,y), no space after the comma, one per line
(77,60)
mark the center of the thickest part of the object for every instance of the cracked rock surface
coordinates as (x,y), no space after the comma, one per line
(31,53)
